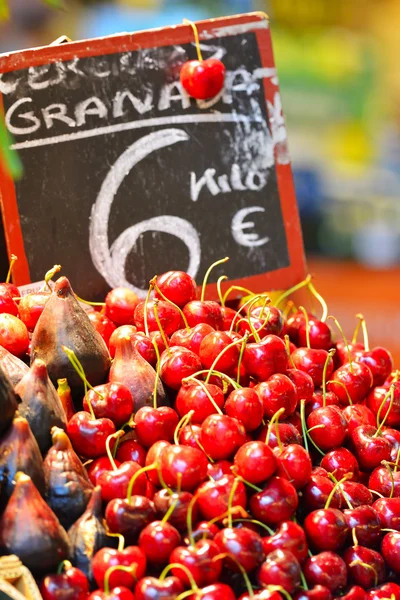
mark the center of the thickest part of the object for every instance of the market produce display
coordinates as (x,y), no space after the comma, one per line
(177,447)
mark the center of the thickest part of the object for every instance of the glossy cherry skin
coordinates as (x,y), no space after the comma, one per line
(130,449)
(192,396)
(341,462)
(318,592)
(120,306)
(317,491)
(245,405)
(158,540)
(109,557)
(218,470)
(243,544)
(380,396)
(266,594)
(111,401)
(98,465)
(263,359)
(216,591)
(176,363)
(289,536)
(318,401)
(183,464)
(30,308)
(71,584)
(319,333)
(163,500)
(342,351)
(365,520)
(333,432)
(288,434)
(192,338)
(293,323)
(155,424)
(115,483)
(354,593)
(117,593)
(88,436)
(388,510)
(127,331)
(273,317)
(169,316)
(199,560)
(391,550)
(281,568)
(203,79)
(327,569)
(210,348)
(370,451)
(386,481)
(358,414)
(103,325)
(357,379)
(221,427)
(326,529)
(7,304)
(190,435)
(177,286)
(312,362)
(379,361)
(387,590)
(129,517)
(213,497)
(255,462)
(360,574)
(276,393)
(276,503)
(150,588)
(153,457)
(14,336)
(208,312)
(302,382)
(294,464)
(393,436)
(356,493)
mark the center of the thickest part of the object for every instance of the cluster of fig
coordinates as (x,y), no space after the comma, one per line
(177,447)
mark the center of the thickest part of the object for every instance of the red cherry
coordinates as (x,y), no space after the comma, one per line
(342,351)
(157,540)
(333,430)
(203,531)
(312,362)
(319,333)
(328,569)
(192,396)
(388,510)
(228,314)
(120,306)
(387,590)
(213,496)
(154,424)
(111,401)
(103,325)
(131,556)
(288,434)
(393,436)
(98,465)
(203,79)
(190,436)
(182,466)
(294,464)
(14,335)
(276,393)
(302,382)
(358,414)
(289,536)
(117,593)
(217,470)
(217,591)
(206,312)
(293,323)
(265,358)
(317,491)
(242,544)
(355,493)
(245,405)
(163,500)
(88,436)
(356,378)
(380,362)
(176,286)
(318,592)
(130,449)
(365,521)
(341,462)
(199,560)
(115,483)
(391,551)
(369,449)
(129,517)
(221,427)
(255,462)
(169,316)
(326,529)
(70,584)
(380,396)
(7,304)
(150,588)
(277,502)
(318,401)
(272,319)
(210,348)
(123,332)
(153,458)
(356,558)
(280,568)
(176,363)
(385,481)
(192,338)
(30,308)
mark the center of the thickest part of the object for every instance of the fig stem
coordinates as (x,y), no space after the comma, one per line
(138,473)
(182,423)
(65,564)
(293,289)
(216,263)
(364,330)
(241,352)
(238,288)
(335,487)
(49,275)
(196,37)
(275,419)
(219,356)
(328,358)
(188,574)
(159,292)
(320,300)
(220,296)
(75,362)
(13,260)
(239,566)
(157,318)
(366,566)
(157,377)
(189,520)
(303,310)
(345,341)
(205,390)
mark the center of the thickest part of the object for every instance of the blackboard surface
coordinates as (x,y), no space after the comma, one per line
(126,177)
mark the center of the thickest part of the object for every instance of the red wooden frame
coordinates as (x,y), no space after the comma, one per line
(180,34)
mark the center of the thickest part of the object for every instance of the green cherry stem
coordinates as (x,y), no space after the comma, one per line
(159,292)
(378,416)
(366,566)
(320,300)
(219,290)
(364,330)
(240,567)
(386,464)
(138,473)
(328,358)
(303,310)
(208,272)
(75,362)
(188,574)
(121,540)
(230,500)
(145,310)
(293,289)
(240,359)
(345,341)
(223,351)
(65,564)
(117,435)
(189,520)
(275,420)
(287,344)
(182,423)
(160,327)
(111,570)
(196,37)
(237,288)
(49,276)
(247,304)
(335,487)
(205,390)
(157,377)
(171,509)
(13,260)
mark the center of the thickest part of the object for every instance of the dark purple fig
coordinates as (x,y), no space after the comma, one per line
(40,405)
(132,370)
(30,529)
(19,451)
(88,535)
(64,322)
(12,366)
(8,402)
(68,488)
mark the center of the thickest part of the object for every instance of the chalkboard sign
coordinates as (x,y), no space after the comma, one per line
(125,176)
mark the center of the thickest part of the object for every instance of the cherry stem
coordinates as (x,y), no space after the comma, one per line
(288,309)
(129,423)
(328,358)
(303,423)
(344,494)
(65,564)
(205,390)
(111,570)
(230,500)
(182,423)
(200,445)
(218,262)
(138,473)
(386,464)
(335,487)
(109,453)
(339,383)
(157,377)
(189,520)
(196,37)
(240,359)
(320,300)
(280,589)
(239,566)
(240,478)
(275,421)
(222,376)
(159,292)
(13,260)
(303,310)
(219,290)
(345,341)
(396,464)
(160,477)
(245,305)
(366,566)
(293,289)
(170,510)
(188,574)
(223,351)
(121,540)
(364,330)
(303,580)
(157,318)
(354,536)
(75,362)
(379,496)
(238,288)
(190,593)
(146,303)
(259,523)
(238,509)
(255,331)
(378,415)
(287,344)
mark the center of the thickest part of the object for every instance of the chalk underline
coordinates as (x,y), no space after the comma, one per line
(171,120)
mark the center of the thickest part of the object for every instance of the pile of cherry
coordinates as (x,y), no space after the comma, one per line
(220,453)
